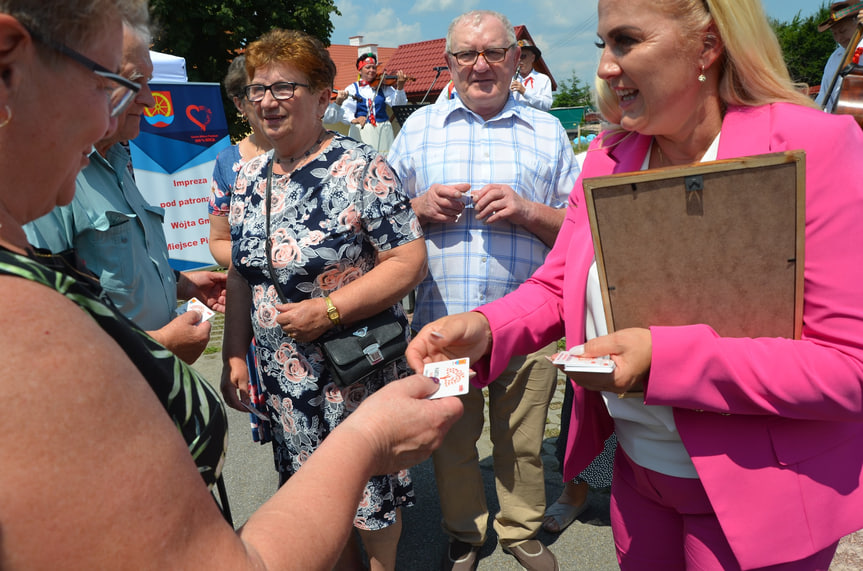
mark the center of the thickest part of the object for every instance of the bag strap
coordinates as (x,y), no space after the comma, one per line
(268,247)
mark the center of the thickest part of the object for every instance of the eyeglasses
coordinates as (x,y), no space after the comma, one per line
(491,55)
(281,90)
(120,95)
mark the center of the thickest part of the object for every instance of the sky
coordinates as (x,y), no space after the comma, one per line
(565,30)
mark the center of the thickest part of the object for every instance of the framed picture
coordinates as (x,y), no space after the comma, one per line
(719,243)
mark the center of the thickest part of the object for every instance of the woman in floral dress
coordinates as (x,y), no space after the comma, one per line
(344,246)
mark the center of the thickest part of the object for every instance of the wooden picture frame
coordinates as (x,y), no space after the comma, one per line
(719,243)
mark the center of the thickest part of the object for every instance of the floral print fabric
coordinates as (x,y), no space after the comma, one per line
(328,221)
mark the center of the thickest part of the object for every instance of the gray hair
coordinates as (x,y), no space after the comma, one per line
(74,22)
(473,18)
(236,78)
(137,20)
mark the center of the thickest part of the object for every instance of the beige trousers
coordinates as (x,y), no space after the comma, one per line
(518,407)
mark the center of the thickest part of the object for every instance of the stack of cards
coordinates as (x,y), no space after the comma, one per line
(197,305)
(453,376)
(573,361)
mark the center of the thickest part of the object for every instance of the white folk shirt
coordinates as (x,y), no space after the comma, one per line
(537,90)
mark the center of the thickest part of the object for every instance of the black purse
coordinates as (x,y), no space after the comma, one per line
(356,351)
(351,352)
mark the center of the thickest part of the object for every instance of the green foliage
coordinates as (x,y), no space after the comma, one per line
(573,93)
(805,49)
(209,33)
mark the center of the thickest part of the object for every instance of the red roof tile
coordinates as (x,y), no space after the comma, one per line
(418,60)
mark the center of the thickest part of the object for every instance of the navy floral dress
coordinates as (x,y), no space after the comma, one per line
(327,226)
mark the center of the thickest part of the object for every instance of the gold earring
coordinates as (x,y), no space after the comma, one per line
(701,77)
(5,121)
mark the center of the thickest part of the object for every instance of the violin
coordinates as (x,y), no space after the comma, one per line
(376,83)
(388,80)
(850,101)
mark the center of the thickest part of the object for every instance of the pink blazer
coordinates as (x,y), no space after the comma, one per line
(773,426)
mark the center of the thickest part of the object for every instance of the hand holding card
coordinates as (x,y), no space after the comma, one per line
(453,376)
(197,305)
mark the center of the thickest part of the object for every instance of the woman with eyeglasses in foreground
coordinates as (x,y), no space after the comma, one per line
(329,216)
(743,453)
(110,442)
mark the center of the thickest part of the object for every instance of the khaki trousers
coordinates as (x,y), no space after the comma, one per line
(518,407)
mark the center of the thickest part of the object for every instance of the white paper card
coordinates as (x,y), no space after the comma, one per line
(197,305)
(453,376)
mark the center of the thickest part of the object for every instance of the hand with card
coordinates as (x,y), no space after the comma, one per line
(451,375)
(625,373)
(195,304)
(209,287)
(441,203)
(401,424)
(186,335)
(464,335)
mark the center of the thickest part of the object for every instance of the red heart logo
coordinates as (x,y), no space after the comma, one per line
(203,116)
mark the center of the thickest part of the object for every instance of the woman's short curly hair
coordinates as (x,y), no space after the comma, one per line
(297,49)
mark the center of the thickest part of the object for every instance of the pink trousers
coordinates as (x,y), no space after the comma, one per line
(664,522)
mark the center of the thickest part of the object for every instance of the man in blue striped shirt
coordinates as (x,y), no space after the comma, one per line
(489,180)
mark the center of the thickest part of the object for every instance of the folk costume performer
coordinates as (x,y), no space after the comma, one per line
(365,108)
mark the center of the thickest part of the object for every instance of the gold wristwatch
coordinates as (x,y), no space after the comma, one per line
(332,312)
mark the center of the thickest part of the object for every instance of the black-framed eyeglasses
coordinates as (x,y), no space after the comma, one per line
(491,55)
(124,90)
(281,90)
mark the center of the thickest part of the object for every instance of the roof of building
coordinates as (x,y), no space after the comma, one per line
(418,60)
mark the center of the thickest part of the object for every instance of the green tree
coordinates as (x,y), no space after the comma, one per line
(805,49)
(209,33)
(574,93)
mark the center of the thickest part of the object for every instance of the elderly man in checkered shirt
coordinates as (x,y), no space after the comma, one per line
(489,180)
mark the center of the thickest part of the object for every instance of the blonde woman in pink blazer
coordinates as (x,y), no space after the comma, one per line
(744,453)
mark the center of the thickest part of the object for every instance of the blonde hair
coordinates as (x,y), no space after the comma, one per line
(753,71)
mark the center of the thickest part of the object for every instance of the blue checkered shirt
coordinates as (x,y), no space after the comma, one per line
(470,262)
